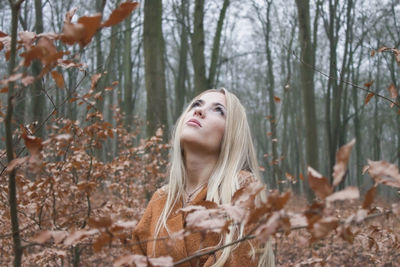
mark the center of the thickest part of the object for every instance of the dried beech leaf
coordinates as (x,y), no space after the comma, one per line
(91,25)
(278,201)
(383,48)
(323,227)
(33,144)
(94,79)
(58,78)
(101,241)
(237,213)
(368,98)
(384,173)
(15,163)
(120,13)
(128,260)
(82,32)
(369,198)
(27,38)
(164,261)
(27,80)
(101,222)
(369,84)
(342,159)
(350,192)
(393,91)
(372,52)
(42,237)
(319,184)
(266,230)
(79,235)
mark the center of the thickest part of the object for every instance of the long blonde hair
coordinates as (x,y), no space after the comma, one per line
(237,153)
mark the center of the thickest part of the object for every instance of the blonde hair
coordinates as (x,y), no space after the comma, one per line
(237,153)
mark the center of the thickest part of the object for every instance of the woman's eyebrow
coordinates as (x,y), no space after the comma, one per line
(218,104)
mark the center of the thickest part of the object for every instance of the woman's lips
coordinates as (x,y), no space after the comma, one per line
(194,122)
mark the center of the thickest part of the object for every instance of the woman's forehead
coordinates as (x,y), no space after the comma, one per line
(213,97)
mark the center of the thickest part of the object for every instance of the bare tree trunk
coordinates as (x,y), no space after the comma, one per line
(38,97)
(156,112)
(216,45)
(307,84)
(180,88)
(199,64)
(128,83)
(12,187)
(271,94)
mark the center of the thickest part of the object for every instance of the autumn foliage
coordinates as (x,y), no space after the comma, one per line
(75,208)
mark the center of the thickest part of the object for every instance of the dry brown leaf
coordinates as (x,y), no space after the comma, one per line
(270,227)
(69,15)
(369,197)
(27,38)
(32,143)
(128,260)
(82,32)
(372,52)
(120,13)
(383,48)
(164,261)
(342,159)
(42,237)
(369,84)
(393,91)
(16,163)
(384,173)
(350,192)
(27,80)
(79,235)
(319,184)
(94,79)
(278,201)
(101,222)
(368,98)
(58,78)
(91,25)
(101,241)
(323,227)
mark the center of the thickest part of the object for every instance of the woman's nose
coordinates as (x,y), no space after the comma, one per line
(199,112)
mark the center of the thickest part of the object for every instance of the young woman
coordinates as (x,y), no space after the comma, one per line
(212,157)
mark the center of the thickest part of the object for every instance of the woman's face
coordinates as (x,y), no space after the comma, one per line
(204,124)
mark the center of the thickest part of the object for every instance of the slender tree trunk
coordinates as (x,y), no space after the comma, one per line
(271,95)
(38,97)
(99,57)
(128,83)
(180,88)
(156,112)
(216,45)
(307,83)
(199,63)
(12,187)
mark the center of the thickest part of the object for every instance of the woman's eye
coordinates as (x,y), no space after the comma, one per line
(195,104)
(220,110)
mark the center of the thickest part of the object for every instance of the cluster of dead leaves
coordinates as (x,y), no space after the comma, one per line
(43,46)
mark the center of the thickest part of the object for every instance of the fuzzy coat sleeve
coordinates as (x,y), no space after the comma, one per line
(142,231)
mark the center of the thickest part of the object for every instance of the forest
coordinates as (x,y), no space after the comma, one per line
(90,92)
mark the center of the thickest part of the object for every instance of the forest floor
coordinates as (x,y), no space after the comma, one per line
(376,242)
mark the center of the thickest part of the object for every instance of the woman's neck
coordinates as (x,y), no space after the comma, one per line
(199,167)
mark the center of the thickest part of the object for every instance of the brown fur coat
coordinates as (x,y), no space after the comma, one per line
(183,248)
